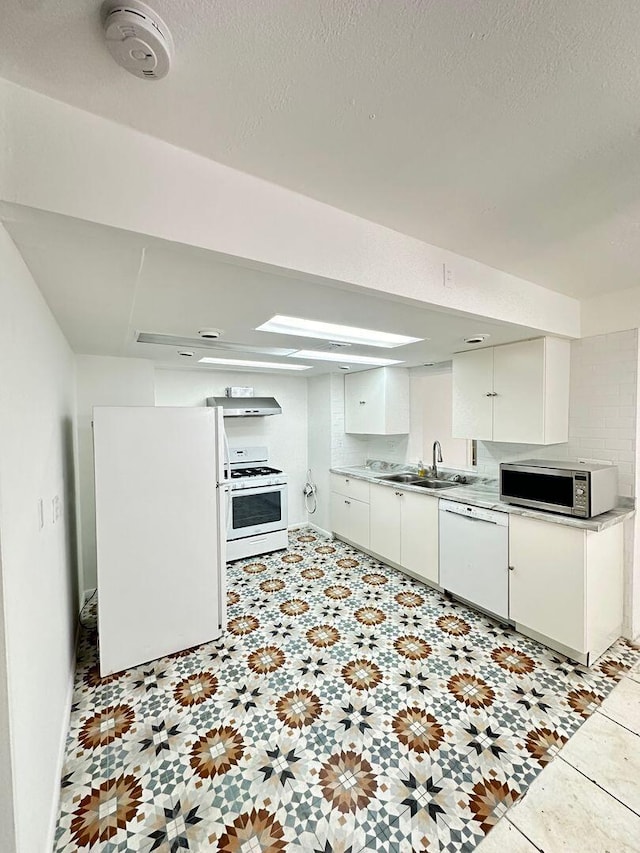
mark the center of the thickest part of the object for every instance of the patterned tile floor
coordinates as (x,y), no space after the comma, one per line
(347,708)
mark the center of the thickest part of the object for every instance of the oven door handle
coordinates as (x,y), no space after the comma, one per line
(259,490)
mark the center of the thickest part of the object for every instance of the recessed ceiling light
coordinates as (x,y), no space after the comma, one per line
(429,364)
(344,367)
(342,356)
(476,339)
(210,334)
(333,332)
(185,353)
(239,362)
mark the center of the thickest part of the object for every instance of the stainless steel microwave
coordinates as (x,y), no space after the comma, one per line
(572,488)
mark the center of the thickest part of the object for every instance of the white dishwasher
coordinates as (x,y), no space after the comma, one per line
(474,555)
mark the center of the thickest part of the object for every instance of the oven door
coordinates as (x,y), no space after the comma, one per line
(539,488)
(259,510)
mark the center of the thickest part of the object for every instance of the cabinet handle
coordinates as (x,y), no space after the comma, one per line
(348,503)
(489,394)
(512,568)
(399,494)
(362,402)
(347,480)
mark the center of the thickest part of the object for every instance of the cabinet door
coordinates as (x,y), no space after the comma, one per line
(364,402)
(518,382)
(419,535)
(547,580)
(472,389)
(385,507)
(350,519)
(396,400)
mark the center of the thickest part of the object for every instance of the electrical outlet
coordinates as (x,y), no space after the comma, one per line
(448,278)
(55,509)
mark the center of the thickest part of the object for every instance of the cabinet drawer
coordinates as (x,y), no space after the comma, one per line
(356,489)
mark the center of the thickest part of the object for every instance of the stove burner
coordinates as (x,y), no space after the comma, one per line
(258,471)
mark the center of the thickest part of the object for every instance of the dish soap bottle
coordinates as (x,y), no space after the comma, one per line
(421,468)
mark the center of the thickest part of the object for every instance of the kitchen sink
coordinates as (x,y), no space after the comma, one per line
(424,482)
(399,478)
(433,484)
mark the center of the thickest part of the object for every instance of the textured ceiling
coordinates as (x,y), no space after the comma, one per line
(506,131)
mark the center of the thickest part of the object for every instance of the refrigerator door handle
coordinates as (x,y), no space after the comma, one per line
(227,456)
(223,510)
(223,461)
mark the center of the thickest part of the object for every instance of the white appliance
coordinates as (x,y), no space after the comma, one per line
(474,555)
(257,517)
(573,488)
(160,531)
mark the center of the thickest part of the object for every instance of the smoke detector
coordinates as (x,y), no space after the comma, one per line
(137,38)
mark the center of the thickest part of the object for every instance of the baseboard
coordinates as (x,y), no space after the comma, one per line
(320,530)
(55,808)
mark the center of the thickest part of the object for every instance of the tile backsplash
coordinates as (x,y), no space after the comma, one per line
(602,411)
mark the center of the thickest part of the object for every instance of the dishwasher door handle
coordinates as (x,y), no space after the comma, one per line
(470,517)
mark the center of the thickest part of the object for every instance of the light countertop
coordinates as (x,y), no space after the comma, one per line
(483,492)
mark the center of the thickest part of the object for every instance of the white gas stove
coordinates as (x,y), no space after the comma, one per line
(257,516)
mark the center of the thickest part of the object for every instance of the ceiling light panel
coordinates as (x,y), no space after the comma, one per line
(333,332)
(319,355)
(239,362)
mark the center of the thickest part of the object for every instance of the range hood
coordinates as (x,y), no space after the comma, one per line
(246,407)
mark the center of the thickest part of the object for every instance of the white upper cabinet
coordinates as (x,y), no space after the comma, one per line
(516,392)
(376,401)
(472,388)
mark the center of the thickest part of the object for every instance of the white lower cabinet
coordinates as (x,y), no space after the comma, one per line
(384,507)
(404,529)
(565,585)
(350,519)
(419,535)
(350,509)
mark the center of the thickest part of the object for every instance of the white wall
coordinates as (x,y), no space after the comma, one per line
(431,419)
(319,459)
(102,381)
(611,312)
(39,572)
(285,435)
(148,186)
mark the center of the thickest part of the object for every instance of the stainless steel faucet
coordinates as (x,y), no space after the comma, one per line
(437,457)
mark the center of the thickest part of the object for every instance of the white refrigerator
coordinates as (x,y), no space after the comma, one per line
(161,497)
